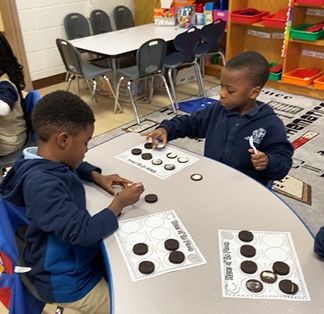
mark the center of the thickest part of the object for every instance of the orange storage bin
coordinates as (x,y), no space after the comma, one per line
(291,79)
(319,83)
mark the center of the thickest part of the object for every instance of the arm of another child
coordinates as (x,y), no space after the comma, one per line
(319,243)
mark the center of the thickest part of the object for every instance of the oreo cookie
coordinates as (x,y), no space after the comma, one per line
(249,267)
(196,177)
(140,249)
(247,250)
(146,267)
(268,276)
(148,145)
(171,244)
(151,198)
(169,167)
(157,162)
(176,257)
(183,160)
(147,156)
(245,236)
(136,151)
(171,155)
(288,287)
(281,268)
(254,285)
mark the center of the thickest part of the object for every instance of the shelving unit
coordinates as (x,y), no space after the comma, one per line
(269,41)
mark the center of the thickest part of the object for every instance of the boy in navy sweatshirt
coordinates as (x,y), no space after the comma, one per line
(228,124)
(62,239)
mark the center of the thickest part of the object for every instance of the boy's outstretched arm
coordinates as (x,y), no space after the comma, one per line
(159,133)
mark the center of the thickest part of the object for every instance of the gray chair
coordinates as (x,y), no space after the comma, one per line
(76,26)
(100,22)
(71,57)
(212,34)
(188,51)
(149,63)
(123,17)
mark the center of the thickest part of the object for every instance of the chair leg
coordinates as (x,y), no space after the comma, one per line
(118,107)
(133,102)
(94,87)
(200,81)
(169,94)
(151,90)
(78,84)
(175,103)
(59,310)
(69,82)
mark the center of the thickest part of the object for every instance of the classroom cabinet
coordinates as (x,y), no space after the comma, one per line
(269,41)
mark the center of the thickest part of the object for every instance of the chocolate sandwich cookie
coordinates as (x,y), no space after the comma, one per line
(146,267)
(159,146)
(140,249)
(247,250)
(171,244)
(148,145)
(281,268)
(249,267)
(245,236)
(254,285)
(288,287)
(169,167)
(183,160)
(151,198)
(136,151)
(157,162)
(171,155)
(176,257)
(268,276)
(147,156)
(196,177)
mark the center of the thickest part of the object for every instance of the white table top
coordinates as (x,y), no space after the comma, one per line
(224,199)
(125,40)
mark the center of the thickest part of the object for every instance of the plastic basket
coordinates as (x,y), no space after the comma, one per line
(319,83)
(274,76)
(240,16)
(298,33)
(278,19)
(289,78)
(311,2)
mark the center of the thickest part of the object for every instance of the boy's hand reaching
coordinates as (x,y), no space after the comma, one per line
(259,160)
(107,182)
(128,196)
(159,133)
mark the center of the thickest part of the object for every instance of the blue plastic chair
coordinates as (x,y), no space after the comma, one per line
(189,50)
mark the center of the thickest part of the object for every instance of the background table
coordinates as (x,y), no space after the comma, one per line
(224,199)
(118,43)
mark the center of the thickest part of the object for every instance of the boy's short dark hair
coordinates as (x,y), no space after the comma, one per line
(60,111)
(253,64)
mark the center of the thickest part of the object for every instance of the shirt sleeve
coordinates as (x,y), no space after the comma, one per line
(319,243)
(8,94)
(85,169)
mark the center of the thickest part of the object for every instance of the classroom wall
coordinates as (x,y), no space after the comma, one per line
(42,22)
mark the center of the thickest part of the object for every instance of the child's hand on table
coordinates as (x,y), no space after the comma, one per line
(260,160)
(159,133)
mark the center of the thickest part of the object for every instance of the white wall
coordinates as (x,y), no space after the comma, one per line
(42,22)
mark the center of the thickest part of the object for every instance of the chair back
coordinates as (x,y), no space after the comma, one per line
(70,55)
(150,57)
(187,42)
(100,22)
(123,17)
(76,26)
(212,34)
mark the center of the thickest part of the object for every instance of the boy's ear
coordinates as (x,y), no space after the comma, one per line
(255,92)
(62,139)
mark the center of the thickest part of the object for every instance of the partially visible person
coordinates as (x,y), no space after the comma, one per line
(62,239)
(13,128)
(319,243)
(229,123)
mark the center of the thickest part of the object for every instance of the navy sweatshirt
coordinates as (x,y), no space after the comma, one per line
(319,243)
(227,138)
(62,238)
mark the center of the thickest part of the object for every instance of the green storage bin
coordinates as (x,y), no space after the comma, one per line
(274,76)
(297,33)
